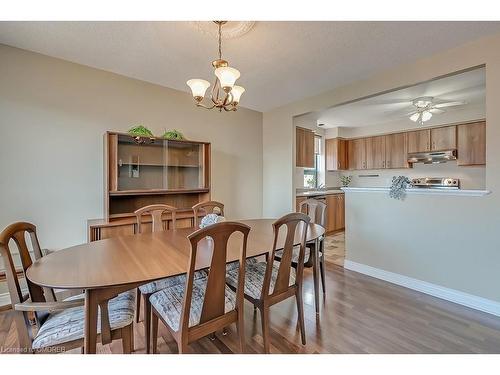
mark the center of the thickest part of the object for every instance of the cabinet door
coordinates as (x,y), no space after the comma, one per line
(340,212)
(375,152)
(331,208)
(357,153)
(336,154)
(419,141)
(444,138)
(304,148)
(471,144)
(396,151)
(298,201)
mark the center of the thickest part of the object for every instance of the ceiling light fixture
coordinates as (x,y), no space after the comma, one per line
(225,94)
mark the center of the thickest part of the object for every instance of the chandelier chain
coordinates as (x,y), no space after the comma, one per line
(220,41)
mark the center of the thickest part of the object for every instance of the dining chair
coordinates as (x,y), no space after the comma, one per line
(203,306)
(270,282)
(156,212)
(209,207)
(316,210)
(59,324)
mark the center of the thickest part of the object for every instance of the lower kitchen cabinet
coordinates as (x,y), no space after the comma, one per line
(335,213)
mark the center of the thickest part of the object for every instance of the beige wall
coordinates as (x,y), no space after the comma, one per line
(53,117)
(461,233)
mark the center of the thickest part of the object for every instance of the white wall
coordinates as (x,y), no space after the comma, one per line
(462,232)
(53,117)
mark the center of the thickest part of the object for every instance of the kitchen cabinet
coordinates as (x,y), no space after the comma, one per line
(444,138)
(336,154)
(357,153)
(396,151)
(471,144)
(298,201)
(419,141)
(375,152)
(335,213)
(304,148)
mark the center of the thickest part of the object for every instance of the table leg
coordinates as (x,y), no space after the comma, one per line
(315,255)
(91,311)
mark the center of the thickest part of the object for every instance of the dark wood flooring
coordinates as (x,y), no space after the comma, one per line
(360,314)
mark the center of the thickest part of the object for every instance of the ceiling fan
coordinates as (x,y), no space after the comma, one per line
(426,106)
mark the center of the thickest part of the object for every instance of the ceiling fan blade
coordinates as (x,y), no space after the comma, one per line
(447,104)
(437,110)
(411,113)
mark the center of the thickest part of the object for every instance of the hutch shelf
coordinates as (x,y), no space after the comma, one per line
(143,171)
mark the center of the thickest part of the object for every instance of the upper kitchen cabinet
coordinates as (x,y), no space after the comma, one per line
(444,138)
(304,147)
(396,151)
(471,142)
(336,154)
(375,152)
(419,141)
(356,150)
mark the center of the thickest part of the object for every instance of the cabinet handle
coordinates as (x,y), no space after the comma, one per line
(338,165)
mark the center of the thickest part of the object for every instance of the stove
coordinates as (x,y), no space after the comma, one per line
(436,182)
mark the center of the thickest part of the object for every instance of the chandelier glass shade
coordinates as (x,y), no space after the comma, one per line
(224,95)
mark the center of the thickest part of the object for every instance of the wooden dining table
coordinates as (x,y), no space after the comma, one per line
(106,268)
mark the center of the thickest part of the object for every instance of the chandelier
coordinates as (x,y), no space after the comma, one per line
(225,94)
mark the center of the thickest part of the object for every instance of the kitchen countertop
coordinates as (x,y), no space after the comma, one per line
(422,191)
(318,193)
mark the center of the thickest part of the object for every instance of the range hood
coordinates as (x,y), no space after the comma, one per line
(432,157)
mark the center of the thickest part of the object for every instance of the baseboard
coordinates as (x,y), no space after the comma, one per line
(452,295)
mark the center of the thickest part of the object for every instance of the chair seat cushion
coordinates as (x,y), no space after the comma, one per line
(234,265)
(168,303)
(295,256)
(158,285)
(68,325)
(254,278)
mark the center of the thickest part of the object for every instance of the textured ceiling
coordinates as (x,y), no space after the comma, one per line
(394,106)
(280,62)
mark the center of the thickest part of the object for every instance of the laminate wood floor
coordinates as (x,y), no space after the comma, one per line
(360,314)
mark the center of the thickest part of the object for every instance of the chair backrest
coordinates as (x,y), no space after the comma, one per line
(18,232)
(315,209)
(209,207)
(296,225)
(214,301)
(156,211)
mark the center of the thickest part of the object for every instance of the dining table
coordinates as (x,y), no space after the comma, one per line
(108,267)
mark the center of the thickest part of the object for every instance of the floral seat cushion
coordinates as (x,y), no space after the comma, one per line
(68,325)
(168,302)
(157,285)
(254,278)
(295,256)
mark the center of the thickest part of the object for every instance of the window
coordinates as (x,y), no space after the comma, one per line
(311,174)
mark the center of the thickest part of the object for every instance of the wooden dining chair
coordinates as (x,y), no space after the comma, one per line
(59,325)
(203,306)
(316,210)
(270,282)
(156,212)
(205,208)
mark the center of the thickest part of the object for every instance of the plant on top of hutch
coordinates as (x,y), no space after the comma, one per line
(137,174)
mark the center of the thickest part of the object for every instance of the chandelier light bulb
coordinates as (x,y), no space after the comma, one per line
(236,92)
(227,77)
(198,88)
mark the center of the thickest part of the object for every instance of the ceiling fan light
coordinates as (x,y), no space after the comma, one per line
(227,77)
(415,117)
(198,88)
(236,92)
(426,116)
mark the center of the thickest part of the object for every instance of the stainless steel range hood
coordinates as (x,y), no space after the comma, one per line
(433,157)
